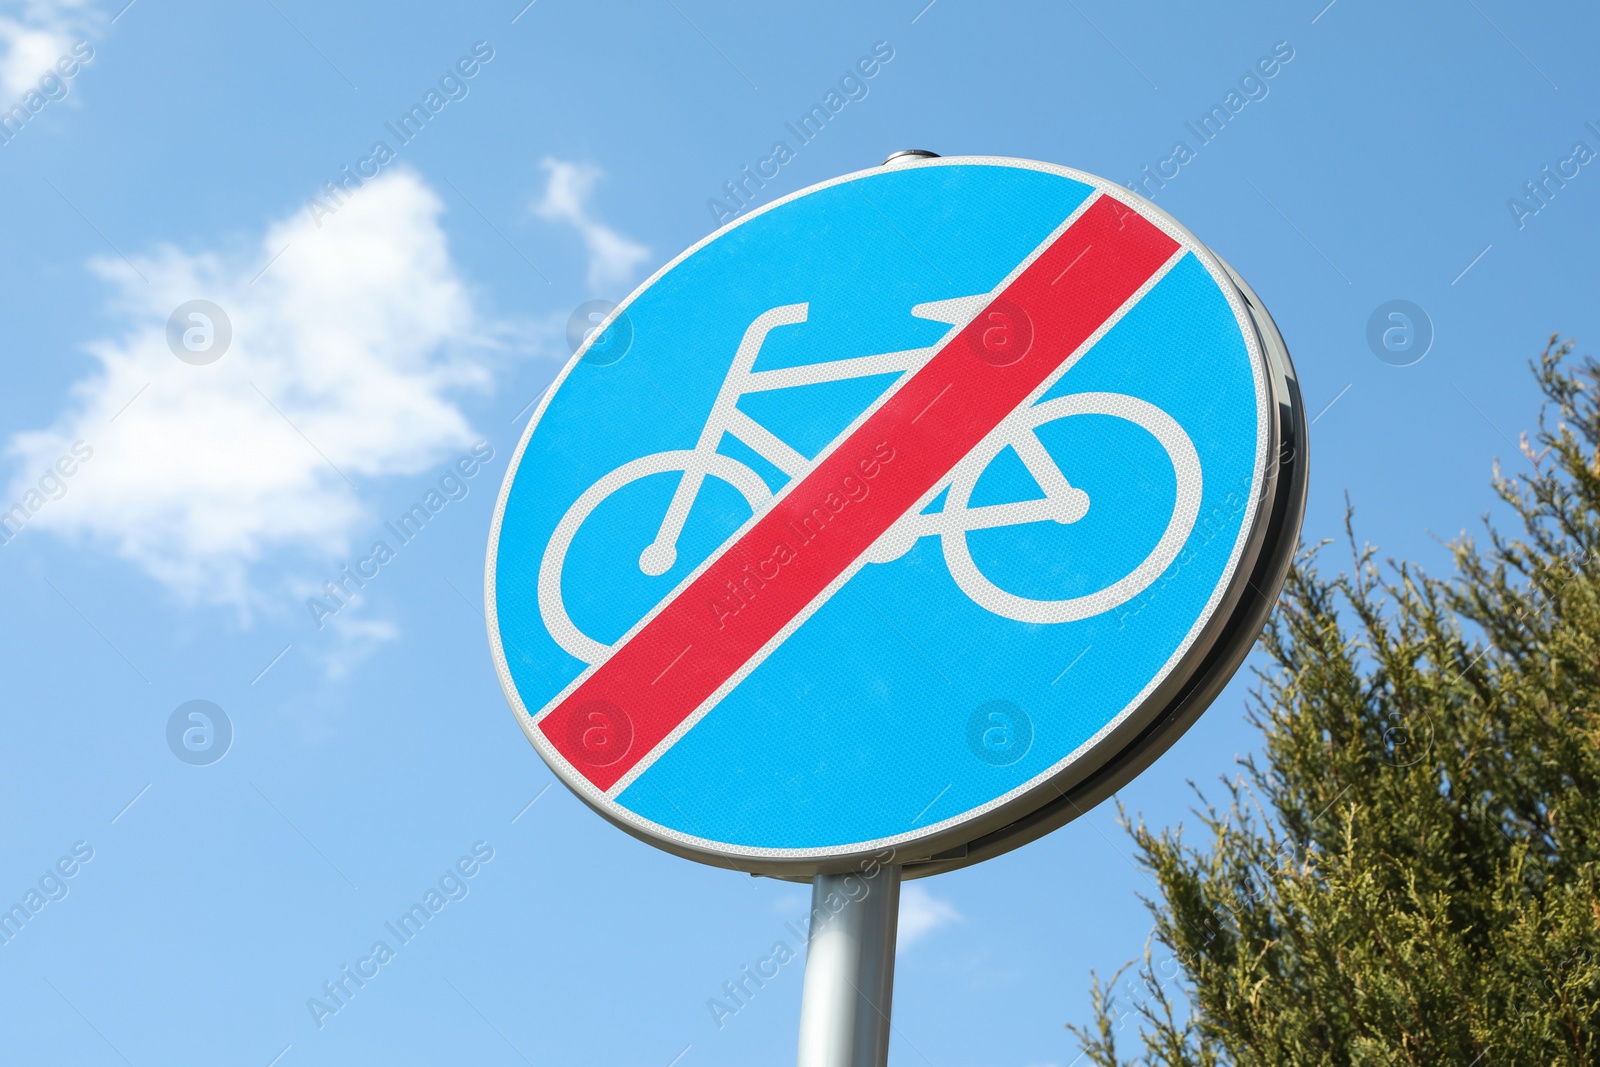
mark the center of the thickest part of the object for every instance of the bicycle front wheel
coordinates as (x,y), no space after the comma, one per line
(955,526)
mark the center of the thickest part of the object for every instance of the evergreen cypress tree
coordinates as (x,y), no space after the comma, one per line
(1408,873)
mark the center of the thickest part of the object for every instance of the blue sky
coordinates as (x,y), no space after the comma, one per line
(378,336)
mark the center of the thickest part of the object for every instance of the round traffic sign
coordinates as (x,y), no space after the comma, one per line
(922,508)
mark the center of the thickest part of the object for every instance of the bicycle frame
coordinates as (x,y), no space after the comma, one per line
(726,418)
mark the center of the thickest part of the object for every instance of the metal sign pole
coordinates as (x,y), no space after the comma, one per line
(849,982)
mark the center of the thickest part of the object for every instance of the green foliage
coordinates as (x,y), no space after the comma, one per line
(1408,875)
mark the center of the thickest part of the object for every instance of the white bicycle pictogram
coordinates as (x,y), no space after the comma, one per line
(1062,502)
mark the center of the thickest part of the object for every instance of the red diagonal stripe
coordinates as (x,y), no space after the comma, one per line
(763,580)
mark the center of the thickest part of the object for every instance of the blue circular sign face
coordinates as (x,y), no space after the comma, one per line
(892,510)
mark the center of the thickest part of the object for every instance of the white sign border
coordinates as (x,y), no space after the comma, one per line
(793,861)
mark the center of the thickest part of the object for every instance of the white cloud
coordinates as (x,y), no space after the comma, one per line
(354,335)
(791,904)
(613,258)
(33,35)
(358,638)
(921,913)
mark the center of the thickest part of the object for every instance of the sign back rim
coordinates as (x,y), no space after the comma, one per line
(1142,749)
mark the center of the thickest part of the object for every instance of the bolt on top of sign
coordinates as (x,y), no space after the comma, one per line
(893,515)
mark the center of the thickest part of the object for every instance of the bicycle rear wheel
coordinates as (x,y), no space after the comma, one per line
(551,604)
